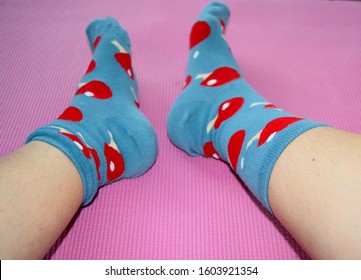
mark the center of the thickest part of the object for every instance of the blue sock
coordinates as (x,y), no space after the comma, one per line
(103,132)
(219,114)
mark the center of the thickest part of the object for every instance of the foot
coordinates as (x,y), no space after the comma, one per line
(218,114)
(103,132)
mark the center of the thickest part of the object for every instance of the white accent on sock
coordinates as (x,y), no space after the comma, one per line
(258,103)
(57,127)
(202,76)
(242,163)
(225,106)
(62,130)
(271,136)
(215,156)
(211,82)
(88,93)
(111,166)
(119,46)
(82,138)
(133,92)
(211,124)
(254,138)
(78,144)
(195,54)
(112,143)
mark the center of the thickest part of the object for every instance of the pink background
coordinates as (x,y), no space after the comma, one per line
(304,56)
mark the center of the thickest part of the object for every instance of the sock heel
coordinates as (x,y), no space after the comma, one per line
(138,144)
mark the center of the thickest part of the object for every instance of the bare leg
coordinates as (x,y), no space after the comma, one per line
(100,138)
(308,177)
(315,191)
(40,191)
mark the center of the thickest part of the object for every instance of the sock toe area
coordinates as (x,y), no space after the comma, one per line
(108,26)
(217,9)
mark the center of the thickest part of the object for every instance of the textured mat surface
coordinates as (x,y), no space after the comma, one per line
(304,56)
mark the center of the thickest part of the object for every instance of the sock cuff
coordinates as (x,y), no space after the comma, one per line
(86,170)
(284,139)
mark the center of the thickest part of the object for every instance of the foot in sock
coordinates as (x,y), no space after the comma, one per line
(218,114)
(103,132)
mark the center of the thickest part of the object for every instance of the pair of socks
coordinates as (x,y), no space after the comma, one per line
(218,114)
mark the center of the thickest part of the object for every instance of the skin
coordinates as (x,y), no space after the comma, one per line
(40,191)
(315,192)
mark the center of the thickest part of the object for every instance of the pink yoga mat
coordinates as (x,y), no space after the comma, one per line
(304,56)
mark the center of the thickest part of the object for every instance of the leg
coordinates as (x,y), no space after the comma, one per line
(100,138)
(103,132)
(315,192)
(220,115)
(40,191)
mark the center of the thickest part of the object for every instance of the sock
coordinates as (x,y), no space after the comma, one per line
(103,132)
(218,114)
